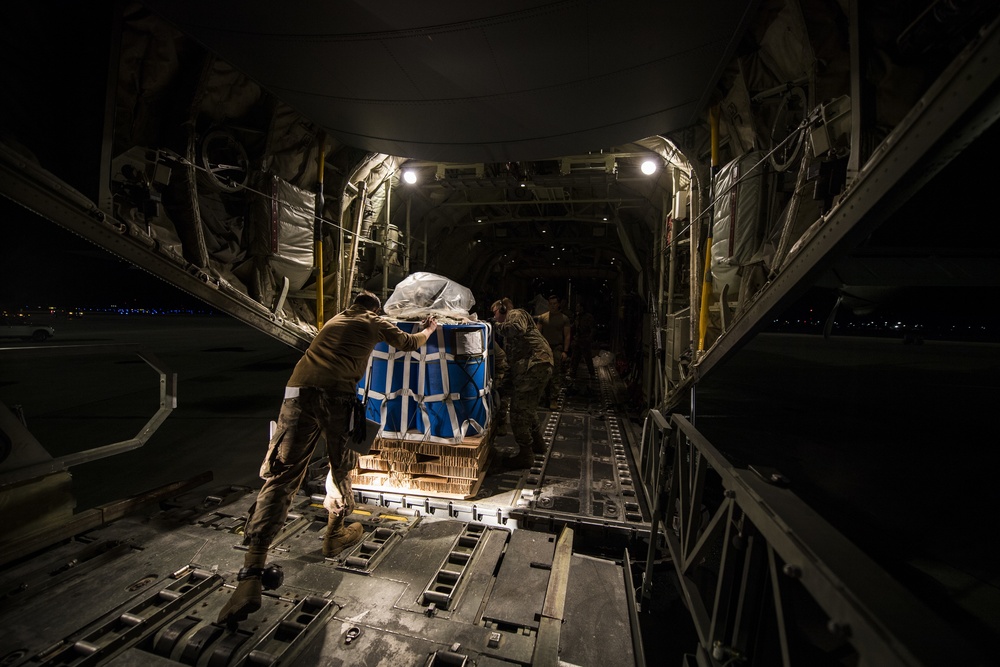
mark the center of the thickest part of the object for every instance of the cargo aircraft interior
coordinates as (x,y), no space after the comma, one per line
(720,489)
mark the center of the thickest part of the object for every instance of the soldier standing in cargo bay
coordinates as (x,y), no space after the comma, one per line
(530,361)
(319,401)
(555,327)
(583,340)
(502,381)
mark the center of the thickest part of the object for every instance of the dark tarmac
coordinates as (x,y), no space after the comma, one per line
(230,381)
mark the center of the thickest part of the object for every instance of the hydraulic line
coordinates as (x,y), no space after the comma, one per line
(360,202)
(385,239)
(318,229)
(706,285)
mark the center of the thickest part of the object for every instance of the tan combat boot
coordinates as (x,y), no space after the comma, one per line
(246,599)
(338,536)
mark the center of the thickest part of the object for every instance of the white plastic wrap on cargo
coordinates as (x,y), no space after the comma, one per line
(294,209)
(736,222)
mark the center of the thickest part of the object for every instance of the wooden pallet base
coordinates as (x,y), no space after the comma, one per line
(446,471)
(427,485)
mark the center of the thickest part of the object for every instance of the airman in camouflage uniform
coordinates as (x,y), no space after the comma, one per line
(555,326)
(504,388)
(318,404)
(530,360)
(502,378)
(583,341)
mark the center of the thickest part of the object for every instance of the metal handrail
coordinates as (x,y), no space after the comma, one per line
(168,401)
(744,546)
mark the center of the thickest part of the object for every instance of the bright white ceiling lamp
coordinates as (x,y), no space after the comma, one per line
(648,167)
(410,176)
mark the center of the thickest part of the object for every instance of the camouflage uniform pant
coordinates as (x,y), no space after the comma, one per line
(554,385)
(503,407)
(528,388)
(504,390)
(301,422)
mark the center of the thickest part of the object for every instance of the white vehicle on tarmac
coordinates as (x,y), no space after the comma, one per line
(11,328)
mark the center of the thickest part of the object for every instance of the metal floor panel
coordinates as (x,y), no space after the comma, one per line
(595,587)
(477,577)
(520,589)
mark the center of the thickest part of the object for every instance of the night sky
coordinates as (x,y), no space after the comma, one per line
(43,264)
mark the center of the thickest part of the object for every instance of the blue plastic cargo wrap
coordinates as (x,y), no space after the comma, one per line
(439,393)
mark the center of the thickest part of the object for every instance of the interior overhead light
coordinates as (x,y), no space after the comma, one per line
(410,177)
(648,167)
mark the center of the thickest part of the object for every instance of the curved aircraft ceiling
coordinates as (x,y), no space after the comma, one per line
(477,82)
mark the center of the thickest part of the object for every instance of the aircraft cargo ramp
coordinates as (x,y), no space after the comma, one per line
(418,590)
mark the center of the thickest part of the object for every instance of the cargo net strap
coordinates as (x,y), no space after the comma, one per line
(459,393)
